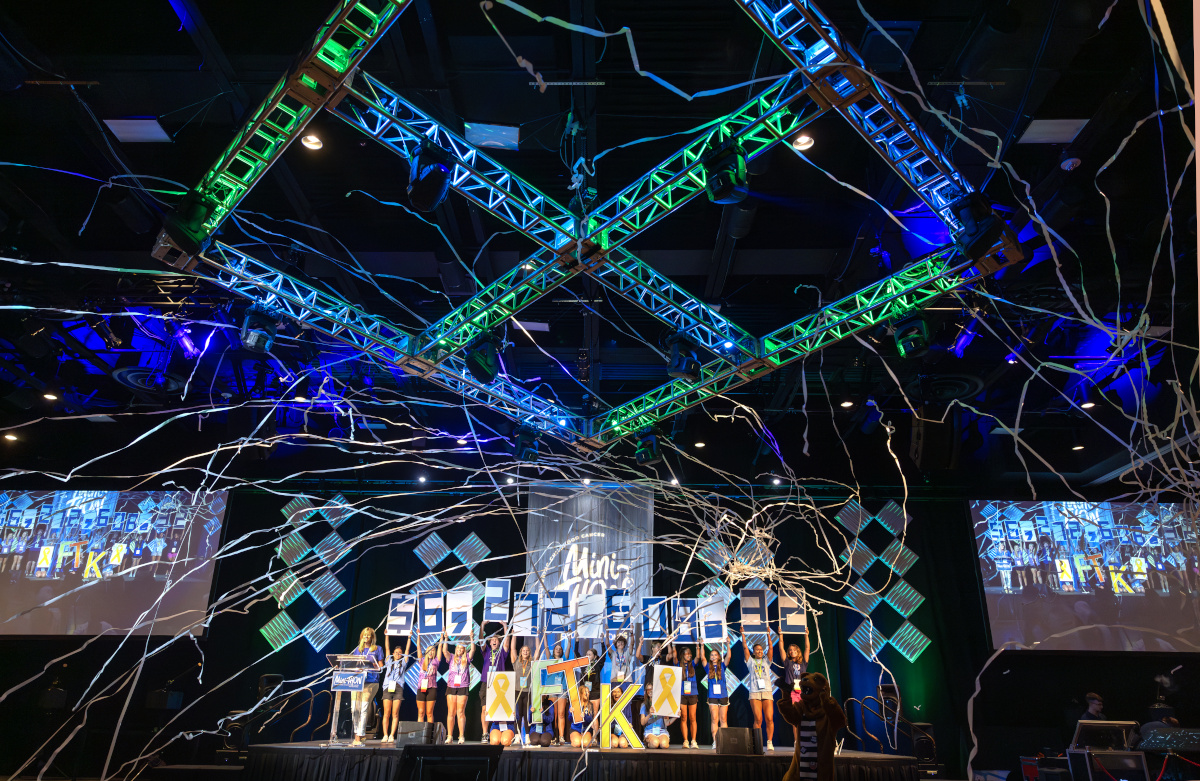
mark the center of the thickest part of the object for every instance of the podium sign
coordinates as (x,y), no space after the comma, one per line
(345,681)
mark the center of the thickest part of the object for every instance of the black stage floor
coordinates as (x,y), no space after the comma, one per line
(315,761)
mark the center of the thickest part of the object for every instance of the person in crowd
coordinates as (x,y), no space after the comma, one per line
(499,733)
(1095,708)
(495,659)
(581,731)
(796,665)
(427,687)
(458,682)
(689,697)
(654,727)
(762,684)
(522,661)
(592,676)
(718,690)
(360,702)
(398,662)
(619,738)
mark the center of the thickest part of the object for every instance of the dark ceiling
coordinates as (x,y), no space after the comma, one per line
(812,240)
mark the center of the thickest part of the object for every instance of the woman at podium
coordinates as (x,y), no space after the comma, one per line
(360,700)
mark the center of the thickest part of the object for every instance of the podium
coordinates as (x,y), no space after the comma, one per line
(349,675)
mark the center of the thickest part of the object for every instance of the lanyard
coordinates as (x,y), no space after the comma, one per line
(758,669)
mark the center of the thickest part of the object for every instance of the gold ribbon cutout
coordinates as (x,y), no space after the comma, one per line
(499,684)
(666,681)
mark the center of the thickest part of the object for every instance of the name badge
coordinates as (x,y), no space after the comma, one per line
(762,684)
(424,685)
(716,690)
(796,685)
(619,676)
(687,687)
(392,686)
(524,681)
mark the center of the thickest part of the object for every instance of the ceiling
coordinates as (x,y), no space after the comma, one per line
(338,216)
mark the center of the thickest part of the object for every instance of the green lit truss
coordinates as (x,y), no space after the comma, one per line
(828,76)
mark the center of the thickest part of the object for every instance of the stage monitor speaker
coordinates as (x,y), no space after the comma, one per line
(418,733)
(448,763)
(924,748)
(739,740)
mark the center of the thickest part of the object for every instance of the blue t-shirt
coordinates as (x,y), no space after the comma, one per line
(394,671)
(656,725)
(716,681)
(792,672)
(375,653)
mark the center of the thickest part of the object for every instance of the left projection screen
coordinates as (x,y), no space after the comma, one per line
(107,562)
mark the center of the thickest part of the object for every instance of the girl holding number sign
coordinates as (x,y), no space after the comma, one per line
(458,683)
(718,691)
(689,699)
(393,685)
(762,684)
(523,667)
(427,679)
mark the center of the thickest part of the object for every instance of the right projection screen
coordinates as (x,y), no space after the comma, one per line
(1089,576)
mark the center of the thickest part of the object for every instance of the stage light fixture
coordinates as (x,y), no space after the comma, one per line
(258,330)
(483,359)
(728,345)
(648,452)
(684,365)
(1075,443)
(982,228)
(525,443)
(802,143)
(912,337)
(429,178)
(421,479)
(1011,359)
(11,437)
(775,481)
(50,396)
(462,441)
(509,481)
(674,481)
(1087,405)
(1089,400)
(725,177)
(699,444)
(300,398)
(846,404)
(587,481)
(312,141)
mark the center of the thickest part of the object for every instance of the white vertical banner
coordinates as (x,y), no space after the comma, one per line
(500,698)
(589,616)
(496,595)
(400,614)
(792,615)
(712,621)
(458,614)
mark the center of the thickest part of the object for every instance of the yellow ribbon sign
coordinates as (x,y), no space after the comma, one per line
(665,689)
(498,696)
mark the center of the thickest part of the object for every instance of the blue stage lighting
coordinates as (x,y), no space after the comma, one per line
(429,178)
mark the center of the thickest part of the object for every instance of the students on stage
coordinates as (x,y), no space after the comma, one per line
(500,734)
(762,686)
(718,690)
(619,739)
(592,676)
(654,727)
(458,682)
(581,731)
(427,687)
(561,702)
(796,665)
(359,701)
(398,662)
(689,699)
(522,661)
(495,659)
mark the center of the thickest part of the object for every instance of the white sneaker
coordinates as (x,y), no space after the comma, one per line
(461,740)
(695,745)
(770,746)
(714,745)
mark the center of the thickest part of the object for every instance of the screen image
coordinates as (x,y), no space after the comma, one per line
(91,562)
(1125,576)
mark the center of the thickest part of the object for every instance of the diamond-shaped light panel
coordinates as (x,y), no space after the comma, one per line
(320,631)
(860,556)
(862,598)
(893,517)
(716,587)
(432,550)
(326,588)
(868,640)
(286,589)
(280,631)
(853,517)
(910,641)
(427,583)
(337,511)
(754,553)
(292,548)
(331,549)
(298,511)
(471,551)
(899,557)
(904,598)
(715,554)
(22,502)
(471,583)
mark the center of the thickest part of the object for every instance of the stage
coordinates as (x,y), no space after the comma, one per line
(314,761)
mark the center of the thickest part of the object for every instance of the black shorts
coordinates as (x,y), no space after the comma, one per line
(429,695)
(456,691)
(522,705)
(718,700)
(396,696)
(690,699)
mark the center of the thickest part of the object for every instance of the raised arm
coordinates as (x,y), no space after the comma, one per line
(728,654)
(746,643)
(407,645)
(507,637)
(779,643)
(806,647)
(447,656)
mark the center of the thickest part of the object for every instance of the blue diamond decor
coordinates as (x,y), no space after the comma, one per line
(286,589)
(320,631)
(715,587)
(470,583)
(754,553)
(868,640)
(298,511)
(431,550)
(331,549)
(860,556)
(853,517)
(862,598)
(910,642)
(904,598)
(280,631)
(757,583)
(715,554)
(427,583)
(337,511)
(899,557)
(471,551)
(893,518)
(292,548)
(326,588)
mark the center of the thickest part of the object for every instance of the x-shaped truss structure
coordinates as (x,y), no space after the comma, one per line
(829,76)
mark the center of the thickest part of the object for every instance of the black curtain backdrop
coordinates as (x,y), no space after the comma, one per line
(1027,702)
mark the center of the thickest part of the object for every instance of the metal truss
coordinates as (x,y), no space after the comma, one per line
(829,75)
(339,46)
(812,43)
